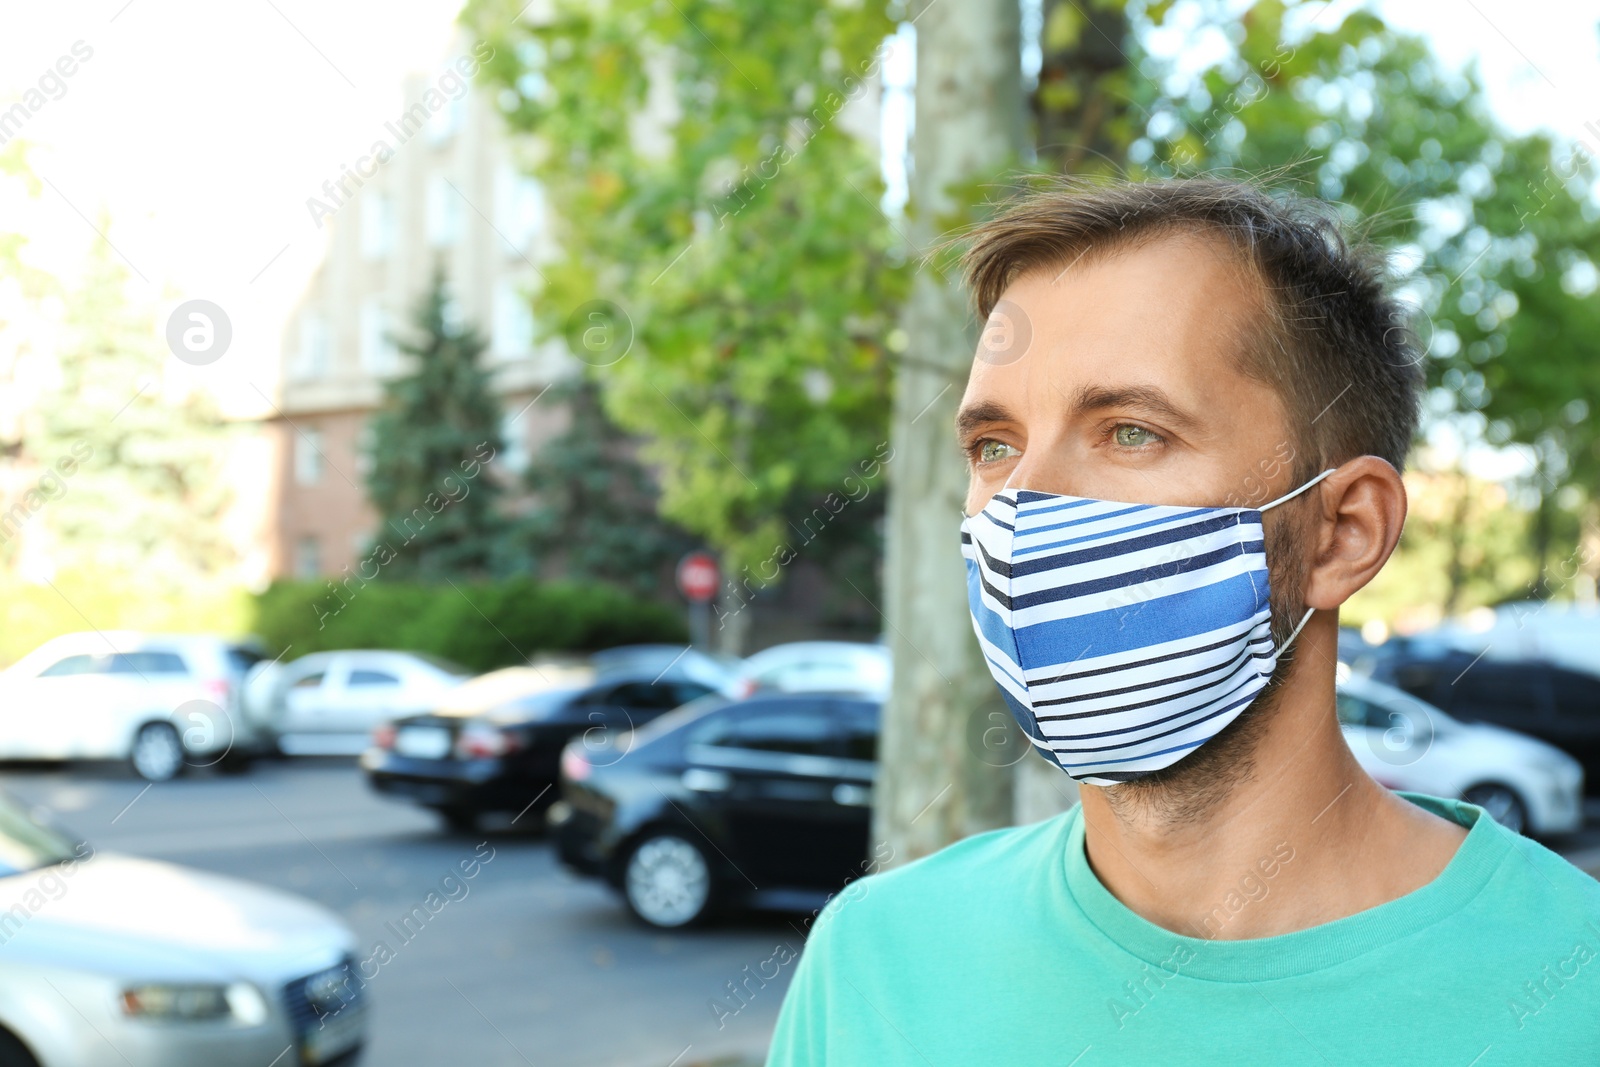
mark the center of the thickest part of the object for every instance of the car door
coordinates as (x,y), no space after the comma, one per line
(371,692)
(305,700)
(776,765)
(147,684)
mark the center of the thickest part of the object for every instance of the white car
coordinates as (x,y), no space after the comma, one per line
(327,703)
(160,701)
(112,961)
(1526,784)
(817,666)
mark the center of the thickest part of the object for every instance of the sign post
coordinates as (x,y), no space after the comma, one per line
(698,580)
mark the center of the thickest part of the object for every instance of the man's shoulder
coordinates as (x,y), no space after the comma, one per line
(1516,877)
(983,869)
(1543,878)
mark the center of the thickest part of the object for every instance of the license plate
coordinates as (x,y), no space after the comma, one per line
(338,1032)
(422,742)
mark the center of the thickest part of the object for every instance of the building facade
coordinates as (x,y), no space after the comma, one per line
(448,195)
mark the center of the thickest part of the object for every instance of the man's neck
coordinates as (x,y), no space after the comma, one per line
(1304,838)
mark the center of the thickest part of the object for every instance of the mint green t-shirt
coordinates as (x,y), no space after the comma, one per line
(1006,949)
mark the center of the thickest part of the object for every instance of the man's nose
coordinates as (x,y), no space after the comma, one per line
(1044,470)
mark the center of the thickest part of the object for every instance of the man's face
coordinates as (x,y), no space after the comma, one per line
(1129,388)
(1119,379)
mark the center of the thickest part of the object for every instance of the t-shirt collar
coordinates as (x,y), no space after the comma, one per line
(1286,955)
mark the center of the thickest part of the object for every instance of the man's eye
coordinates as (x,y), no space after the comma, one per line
(1130,436)
(992,451)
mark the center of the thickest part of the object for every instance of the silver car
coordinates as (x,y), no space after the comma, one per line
(124,962)
(328,703)
(1523,783)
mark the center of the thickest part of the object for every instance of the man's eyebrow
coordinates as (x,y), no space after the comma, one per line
(1093,398)
(981,413)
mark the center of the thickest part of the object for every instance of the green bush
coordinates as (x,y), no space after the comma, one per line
(482,625)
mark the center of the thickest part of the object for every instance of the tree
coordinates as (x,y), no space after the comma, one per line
(936,784)
(438,429)
(141,490)
(1080,106)
(719,211)
(594,513)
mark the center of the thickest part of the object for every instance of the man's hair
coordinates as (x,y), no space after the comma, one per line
(1328,337)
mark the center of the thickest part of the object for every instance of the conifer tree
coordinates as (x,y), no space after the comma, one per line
(430,447)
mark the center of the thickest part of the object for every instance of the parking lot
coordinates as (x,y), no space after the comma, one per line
(528,966)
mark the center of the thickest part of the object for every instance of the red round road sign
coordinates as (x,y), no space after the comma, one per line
(698,577)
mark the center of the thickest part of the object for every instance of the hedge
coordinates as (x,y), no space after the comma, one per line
(481,625)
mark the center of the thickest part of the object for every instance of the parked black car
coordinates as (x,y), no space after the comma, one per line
(495,745)
(762,803)
(1553,703)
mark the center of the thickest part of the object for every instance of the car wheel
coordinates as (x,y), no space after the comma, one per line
(461,820)
(1502,804)
(13,1053)
(157,753)
(667,881)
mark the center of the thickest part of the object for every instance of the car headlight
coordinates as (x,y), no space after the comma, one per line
(240,1002)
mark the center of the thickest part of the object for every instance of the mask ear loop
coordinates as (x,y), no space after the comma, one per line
(1296,492)
(1290,496)
(1296,631)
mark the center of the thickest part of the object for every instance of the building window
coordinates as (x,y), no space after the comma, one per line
(377,225)
(513,321)
(308,457)
(378,353)
(515,456)
(307,556)
(519,209)
(444,213)
(447,120)
(315,352)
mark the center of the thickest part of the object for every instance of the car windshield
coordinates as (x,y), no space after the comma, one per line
(26,845)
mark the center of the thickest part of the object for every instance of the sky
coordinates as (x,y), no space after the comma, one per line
(200,129)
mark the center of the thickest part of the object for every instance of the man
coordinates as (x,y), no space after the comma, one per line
(1184,426)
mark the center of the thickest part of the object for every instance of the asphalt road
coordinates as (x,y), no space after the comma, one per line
(532,966)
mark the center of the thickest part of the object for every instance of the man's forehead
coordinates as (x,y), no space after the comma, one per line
(1167,281)
(1163,322)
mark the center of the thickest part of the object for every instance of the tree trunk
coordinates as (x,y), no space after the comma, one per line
(1075,113)
(936,785)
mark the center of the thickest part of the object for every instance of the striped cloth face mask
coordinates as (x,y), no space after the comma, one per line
(1123,636)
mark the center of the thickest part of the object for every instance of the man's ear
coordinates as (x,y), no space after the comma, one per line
(1361,509)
